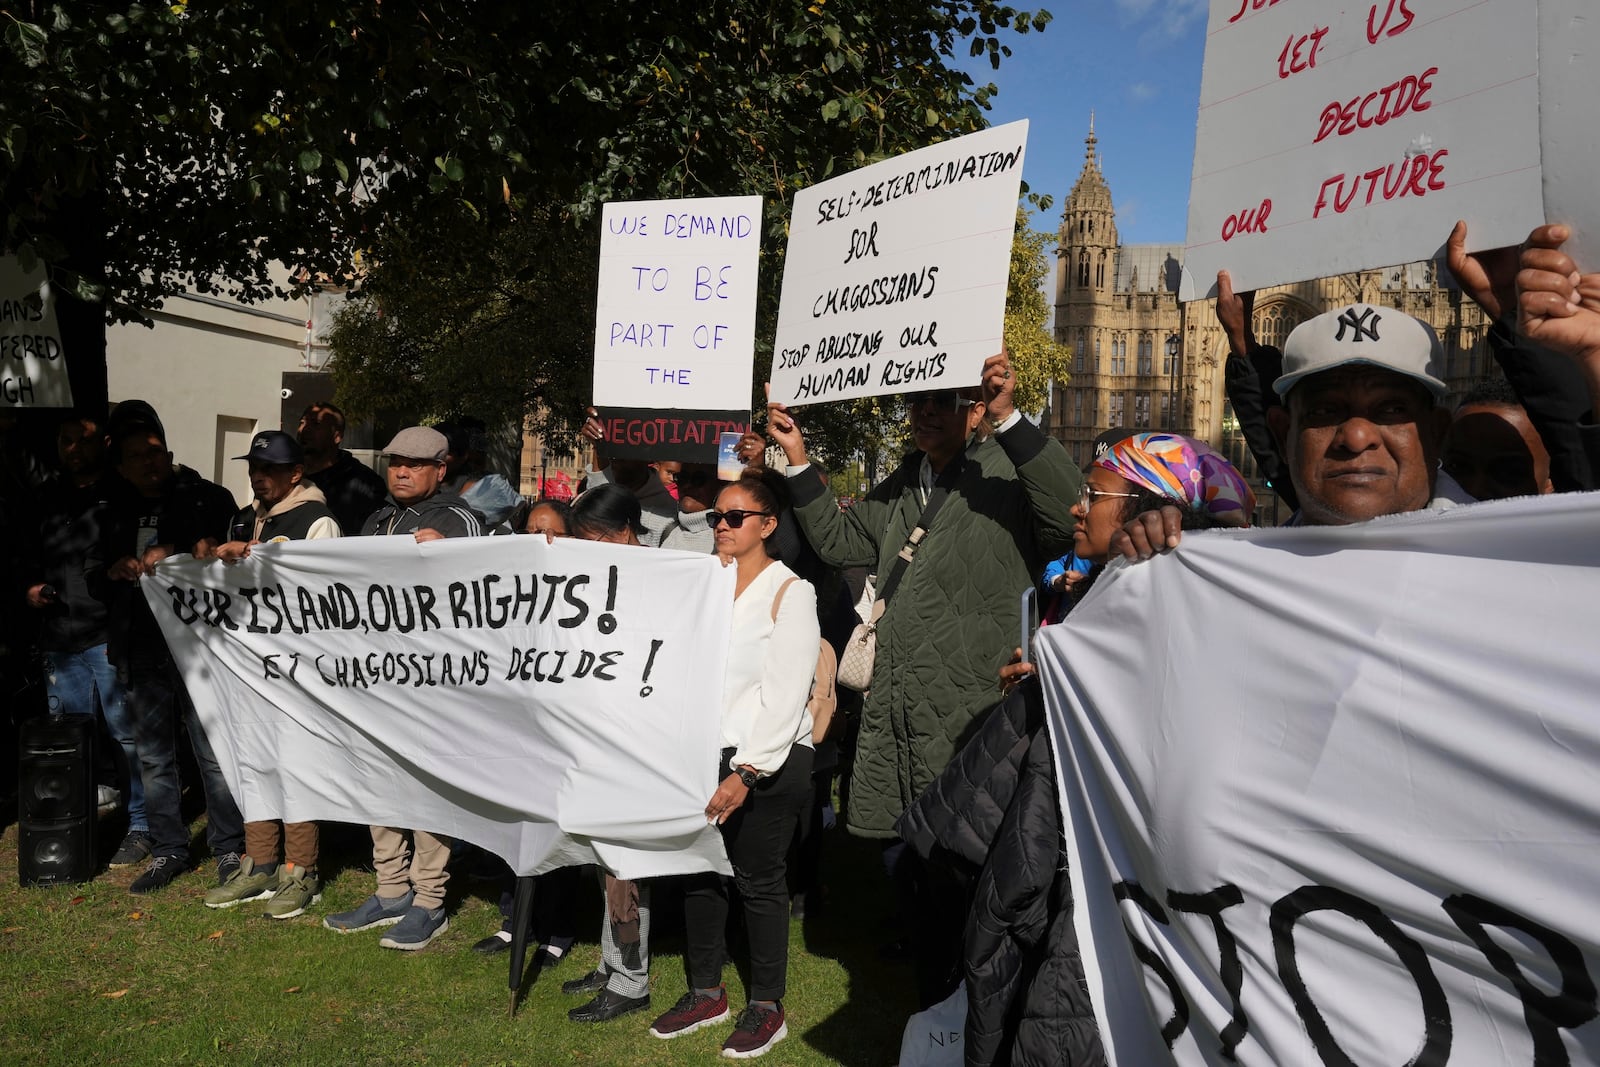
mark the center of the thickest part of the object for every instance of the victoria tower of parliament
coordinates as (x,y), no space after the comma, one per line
(1144,361)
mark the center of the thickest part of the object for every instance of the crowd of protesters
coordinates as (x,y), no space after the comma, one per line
(953,777)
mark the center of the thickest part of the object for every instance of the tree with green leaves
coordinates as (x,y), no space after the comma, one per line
(210,141)
(1036,357)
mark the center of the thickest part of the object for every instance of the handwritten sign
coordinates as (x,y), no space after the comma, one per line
(33,365)
(674,335)
(1335,138)
(895,278)
(544,701)
(1569,84)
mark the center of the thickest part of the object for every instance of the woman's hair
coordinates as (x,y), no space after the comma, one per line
(562,509)
(605,510)
(771,493)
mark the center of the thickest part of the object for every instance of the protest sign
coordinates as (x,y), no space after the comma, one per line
(1569,49)
(553,703)
(895,277)
(33,364)
(674,333)
(1336,138)
(1333,795)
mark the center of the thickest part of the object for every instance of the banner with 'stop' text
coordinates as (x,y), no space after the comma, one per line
(1333,795)
(553,703)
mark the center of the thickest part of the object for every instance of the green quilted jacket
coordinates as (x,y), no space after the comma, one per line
(953,622)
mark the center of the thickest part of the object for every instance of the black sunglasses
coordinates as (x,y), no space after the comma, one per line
(944,401)
(735,518)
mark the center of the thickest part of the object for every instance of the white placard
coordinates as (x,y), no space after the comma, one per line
(675,326)
(553,703)
(1336,138)
(33,363)
(1569,85)
(1333,794)
(895,277)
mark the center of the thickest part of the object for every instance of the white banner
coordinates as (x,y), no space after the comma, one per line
(675,325)
(554,704)
(895,276)
(33,364)
(1334,794)
(1338,137)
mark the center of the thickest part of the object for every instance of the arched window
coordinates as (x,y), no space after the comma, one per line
(1100,272)
(1274,322)
(1083,268)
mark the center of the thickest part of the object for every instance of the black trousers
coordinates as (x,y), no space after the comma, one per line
(757,837)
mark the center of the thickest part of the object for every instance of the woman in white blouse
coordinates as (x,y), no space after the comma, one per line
(765,772)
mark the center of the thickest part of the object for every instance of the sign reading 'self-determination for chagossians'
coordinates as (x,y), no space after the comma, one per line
(895,276)
(674,337)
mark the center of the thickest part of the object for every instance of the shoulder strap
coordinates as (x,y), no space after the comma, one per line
(779,598)
(936,499)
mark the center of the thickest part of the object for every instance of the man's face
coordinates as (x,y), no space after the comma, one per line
(697,486)
(81,444)
(319,433)
(1494,452)
(145,463)
(942,420)
(271,482)
(1361,442)
(411,479)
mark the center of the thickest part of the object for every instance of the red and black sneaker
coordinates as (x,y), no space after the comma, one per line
(757,1030)
(693,1011)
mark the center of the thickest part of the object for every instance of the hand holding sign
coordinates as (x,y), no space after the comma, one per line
(1559,306)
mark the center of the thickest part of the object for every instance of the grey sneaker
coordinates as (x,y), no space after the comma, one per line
(248,882)
(417,930)
(374,911)
(107,799)
(298,888)
(135,848)
(227,865)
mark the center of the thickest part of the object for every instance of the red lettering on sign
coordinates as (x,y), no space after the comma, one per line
(1384,29)
(1251,220)
(1413,176)
(1294,58)
(1408,95)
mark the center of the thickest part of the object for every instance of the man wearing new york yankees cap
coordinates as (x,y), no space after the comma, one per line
(1361,427)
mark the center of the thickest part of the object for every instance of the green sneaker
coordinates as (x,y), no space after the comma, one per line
(244,884)
(298,888)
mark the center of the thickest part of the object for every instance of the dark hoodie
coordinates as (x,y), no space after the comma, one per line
(354,491)
(443,511)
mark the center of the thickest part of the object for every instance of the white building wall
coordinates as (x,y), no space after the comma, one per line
(213,371)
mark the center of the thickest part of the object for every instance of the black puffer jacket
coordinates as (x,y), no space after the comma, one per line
(995,810)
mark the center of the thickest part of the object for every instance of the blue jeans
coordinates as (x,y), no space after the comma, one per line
(154,698)
(80,682)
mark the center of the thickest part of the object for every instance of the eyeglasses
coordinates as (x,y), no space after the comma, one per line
(942,401)
(1089,496)
(734,518)
(412,462)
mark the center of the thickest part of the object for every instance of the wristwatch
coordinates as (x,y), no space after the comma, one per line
(747,776)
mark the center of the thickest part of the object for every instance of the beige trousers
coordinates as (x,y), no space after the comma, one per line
(416,864)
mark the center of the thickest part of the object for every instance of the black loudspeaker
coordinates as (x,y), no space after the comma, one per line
(56,801)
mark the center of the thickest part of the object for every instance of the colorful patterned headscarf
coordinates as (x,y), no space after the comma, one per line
(1185,470)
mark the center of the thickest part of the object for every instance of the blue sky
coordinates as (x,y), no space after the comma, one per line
(1136,65)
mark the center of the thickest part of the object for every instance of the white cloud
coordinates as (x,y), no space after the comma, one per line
(1163,20)
(1142,91)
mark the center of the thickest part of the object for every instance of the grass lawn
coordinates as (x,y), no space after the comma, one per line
(93,975)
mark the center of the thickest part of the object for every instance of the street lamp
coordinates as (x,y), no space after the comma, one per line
(1171,369)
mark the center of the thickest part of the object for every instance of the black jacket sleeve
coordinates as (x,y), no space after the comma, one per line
(1249,381)
(1552,390)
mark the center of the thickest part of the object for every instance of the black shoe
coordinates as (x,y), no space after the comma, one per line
(494,944)
(160,873)
(592,982)
(135,848)
(608,1006)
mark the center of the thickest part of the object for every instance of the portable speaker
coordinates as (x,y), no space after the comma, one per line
(56,853)
(56,801)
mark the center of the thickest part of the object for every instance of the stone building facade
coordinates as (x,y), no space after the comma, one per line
(1143,360)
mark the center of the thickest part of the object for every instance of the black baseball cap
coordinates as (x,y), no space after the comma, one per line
(274,446)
